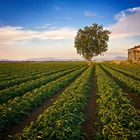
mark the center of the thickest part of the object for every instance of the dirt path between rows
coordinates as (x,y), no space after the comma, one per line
(135,98)
(90,112)
(33,116)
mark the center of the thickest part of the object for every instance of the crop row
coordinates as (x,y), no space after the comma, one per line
(62,121)
(125,81)
(19,90)
(10,71)
(32,76)
(15,110)
(24,67)
(19,69)
(129,67)
(17,81)
(118,118)
(125,71)
(132,67)
(5,78)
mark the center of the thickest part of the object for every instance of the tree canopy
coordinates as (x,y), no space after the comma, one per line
(91,41)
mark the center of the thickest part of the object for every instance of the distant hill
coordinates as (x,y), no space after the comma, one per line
(58,59)
(43,59)
(7,60)
(4,60)
(51,59)
(110,59)
(120,58)
(40,59)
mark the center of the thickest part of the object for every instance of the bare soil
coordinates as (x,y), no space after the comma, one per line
(90,112)
(136,99)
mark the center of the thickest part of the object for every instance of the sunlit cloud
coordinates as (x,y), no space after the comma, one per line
(21,43)
(124,32)
(128,23)
(9,33)
(62,33)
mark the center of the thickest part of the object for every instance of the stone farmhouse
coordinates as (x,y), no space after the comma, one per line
(134,54)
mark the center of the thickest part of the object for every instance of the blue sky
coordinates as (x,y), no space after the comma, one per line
(46,28)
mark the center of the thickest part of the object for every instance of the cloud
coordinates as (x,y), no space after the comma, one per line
(124,13)
(89,14)
(8,34)
(61,33)
(128,23)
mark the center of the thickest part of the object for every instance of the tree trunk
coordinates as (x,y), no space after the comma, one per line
(89,62)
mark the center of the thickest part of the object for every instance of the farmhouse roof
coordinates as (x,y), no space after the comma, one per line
(134,47)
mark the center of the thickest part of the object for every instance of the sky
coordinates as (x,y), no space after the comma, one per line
(46,28)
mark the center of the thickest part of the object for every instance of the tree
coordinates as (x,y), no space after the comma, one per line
(91,41)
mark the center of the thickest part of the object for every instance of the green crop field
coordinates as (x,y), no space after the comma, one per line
(62,100)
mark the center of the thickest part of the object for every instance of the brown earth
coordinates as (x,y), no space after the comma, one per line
(90,125)
(136,100)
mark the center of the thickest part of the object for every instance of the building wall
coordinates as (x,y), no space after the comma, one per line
(134,55)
